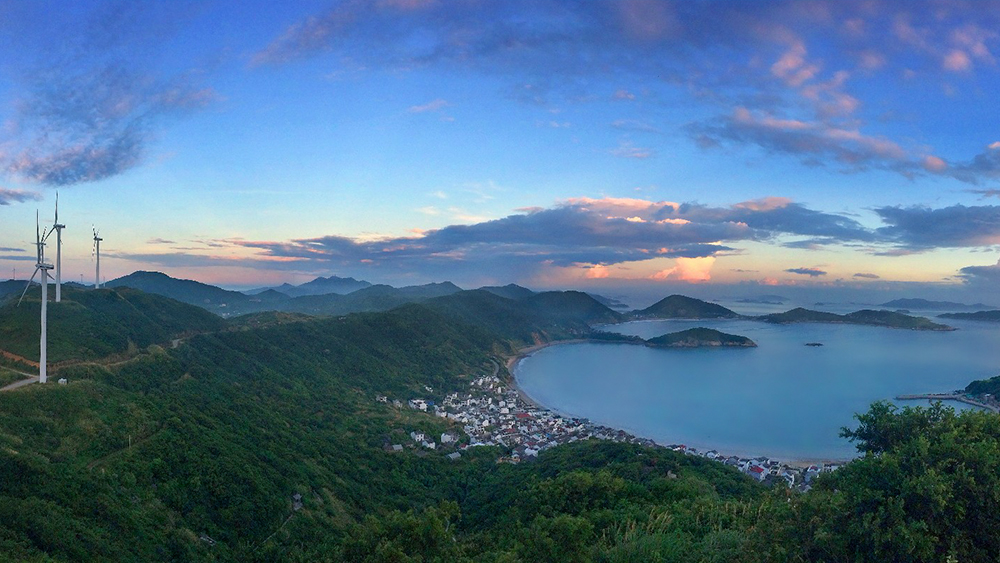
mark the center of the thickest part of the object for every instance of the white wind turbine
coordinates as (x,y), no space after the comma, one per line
(57,227)
(97,252)
(44,268)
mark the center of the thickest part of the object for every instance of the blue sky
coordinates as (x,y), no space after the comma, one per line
(563,144)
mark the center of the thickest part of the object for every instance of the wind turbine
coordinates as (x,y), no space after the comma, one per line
(97,252)
(57,227)
(44,268)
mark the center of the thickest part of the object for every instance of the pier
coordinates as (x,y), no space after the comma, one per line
(948,397)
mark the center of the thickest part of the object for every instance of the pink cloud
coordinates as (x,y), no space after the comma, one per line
(433,105)
(694,270)
(957,61)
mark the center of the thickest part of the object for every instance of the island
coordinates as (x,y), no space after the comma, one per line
(698,338)
(814,344)
(868,317)
(682,307)
(989,316)
(926,305)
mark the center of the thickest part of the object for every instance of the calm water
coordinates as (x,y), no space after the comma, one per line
(782,399)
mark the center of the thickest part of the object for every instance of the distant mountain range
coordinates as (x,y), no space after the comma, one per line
(318,286)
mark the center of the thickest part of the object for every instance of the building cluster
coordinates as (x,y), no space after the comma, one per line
(493,413)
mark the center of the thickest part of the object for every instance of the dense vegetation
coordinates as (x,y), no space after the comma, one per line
(699,337)
(681,307)
(984,386)
(195,453)
(869,317)
(91,324)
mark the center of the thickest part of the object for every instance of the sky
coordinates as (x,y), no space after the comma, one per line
(756,146)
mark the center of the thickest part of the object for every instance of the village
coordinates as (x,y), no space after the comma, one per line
(494,413)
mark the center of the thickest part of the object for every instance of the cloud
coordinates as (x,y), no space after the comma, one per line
(867,276)
(918,227)
(634,125)
(810,140)
(160,241)
(693,270)
(90,110)
(627,150)
(595,232)
(788,63)
(984,275)
(9,196)
(9,249)
(981,167)
(433,105)
(986,193)
(623,95)
(812,272)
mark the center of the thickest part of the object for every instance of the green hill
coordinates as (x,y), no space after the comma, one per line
(990,316)
(983,386)
(699,337)
(541,317)
(869,317)
(90,324)
(265,441)
(572,306)
(681,307)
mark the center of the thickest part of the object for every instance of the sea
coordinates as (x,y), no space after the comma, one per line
(783,399)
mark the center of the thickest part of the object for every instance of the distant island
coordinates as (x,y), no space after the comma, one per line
(764,300)
(698,338)
(814,344)
(681,307)
(864,317)
(926,305)
(990,316)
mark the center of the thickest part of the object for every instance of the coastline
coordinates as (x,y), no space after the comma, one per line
(521,353)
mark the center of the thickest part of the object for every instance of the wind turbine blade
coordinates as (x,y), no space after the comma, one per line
(57,208)
(26,287)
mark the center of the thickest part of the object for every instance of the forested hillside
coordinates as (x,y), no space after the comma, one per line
(205,452)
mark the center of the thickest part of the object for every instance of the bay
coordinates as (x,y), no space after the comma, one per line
(782,399)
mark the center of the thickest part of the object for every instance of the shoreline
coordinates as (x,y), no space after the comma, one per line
(521,353)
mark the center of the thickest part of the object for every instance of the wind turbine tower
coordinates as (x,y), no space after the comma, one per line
(57,227)
(97,253)
(44,268)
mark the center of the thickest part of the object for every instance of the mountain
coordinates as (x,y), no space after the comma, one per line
(925,305)
(802,315)
(573,306)
(698,338)
(370,299)
(992,316)
(541,317)
(510,291)
(93,323)
(869,317)
(12,288)
(318,286)
(186,291)
(609,302)
(681,307)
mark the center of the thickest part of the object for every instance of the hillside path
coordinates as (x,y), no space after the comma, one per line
(31,379)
